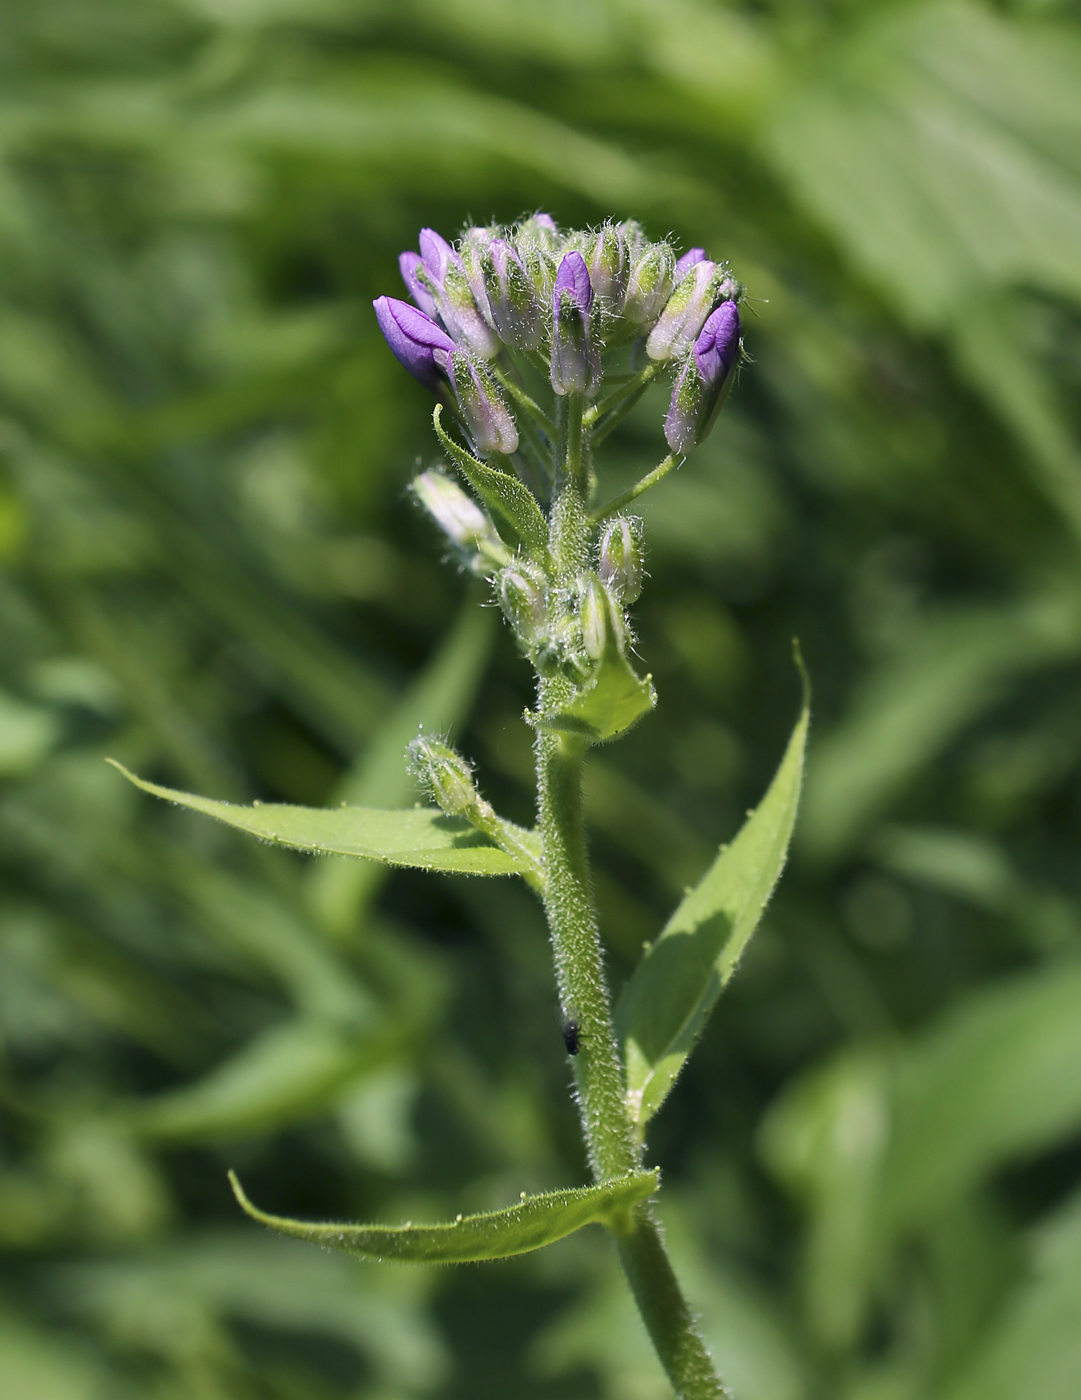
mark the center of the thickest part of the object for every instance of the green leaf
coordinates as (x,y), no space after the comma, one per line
(615,699)
(422,838)
(514,510)
(674,987)
(497,1234)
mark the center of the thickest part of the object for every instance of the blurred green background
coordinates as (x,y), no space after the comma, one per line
(211,571)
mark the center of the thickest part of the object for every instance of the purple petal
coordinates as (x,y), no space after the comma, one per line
(688,260)
(413,338)
(435,253)
(411,264)
(718,344)
(573,279)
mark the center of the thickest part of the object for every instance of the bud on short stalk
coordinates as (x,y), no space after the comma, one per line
(522,589)
(446,775)
(515,311)
(486,415)
(470,533)
(607,264)
(593,615)
(620,557)
(685,314)
(650,284)
(576,360)
(463,316)
(705,380)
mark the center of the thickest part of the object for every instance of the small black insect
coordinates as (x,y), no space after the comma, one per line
(570,1037)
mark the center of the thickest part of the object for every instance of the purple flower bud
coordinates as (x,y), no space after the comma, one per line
(436,254)
(686,311)
(650,284)
(463,317)
(705,380)
(717,346)
(515,311)
(473,251)
(417,342)
(689,259)
(486,416)
(620,557)
(417,282)
(576,361)
(607,267)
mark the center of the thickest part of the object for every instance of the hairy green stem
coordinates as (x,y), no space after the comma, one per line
(583,992)
(658,473)
(664,1311)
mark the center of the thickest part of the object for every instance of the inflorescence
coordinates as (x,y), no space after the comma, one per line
(593,318)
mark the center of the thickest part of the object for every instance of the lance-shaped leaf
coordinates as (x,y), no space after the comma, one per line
(496,1234)
(674,987)
(514,509)
(422,837)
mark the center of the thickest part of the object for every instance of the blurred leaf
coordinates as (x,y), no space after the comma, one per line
(954,668)
(498,1234)
(921,139)
(677,982)
(34,1367)
(1033,1346)
(422,838)
(27,733)
(292,1072)
(439,699)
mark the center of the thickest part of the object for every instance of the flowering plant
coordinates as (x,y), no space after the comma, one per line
(537,343)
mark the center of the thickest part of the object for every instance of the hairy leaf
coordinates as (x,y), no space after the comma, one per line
(422,838)
(514,510)
(677,982)
(497,1234)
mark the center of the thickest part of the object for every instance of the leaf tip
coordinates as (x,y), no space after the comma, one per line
(242,1200)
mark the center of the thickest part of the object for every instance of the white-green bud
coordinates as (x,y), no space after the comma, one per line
(445,773)
(469,531)
(523,595)
(593,615)
(606,258)
(650,283)
(620,557)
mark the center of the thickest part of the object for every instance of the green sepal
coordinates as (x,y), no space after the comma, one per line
(497,1234)
(513,507)
(676,984)
(420,837)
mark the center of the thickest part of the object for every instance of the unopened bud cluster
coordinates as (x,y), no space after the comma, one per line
(539,341)
(567,302)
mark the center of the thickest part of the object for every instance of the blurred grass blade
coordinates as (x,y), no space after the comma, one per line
(290,1073)
(957,665)
(422,838)
(674,987)
(1034,1347)
(514,510)
(439,699)
(497,1234)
